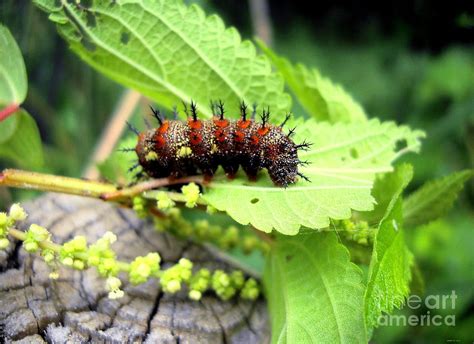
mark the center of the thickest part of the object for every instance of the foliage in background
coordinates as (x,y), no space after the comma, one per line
(19,137)
(424,101)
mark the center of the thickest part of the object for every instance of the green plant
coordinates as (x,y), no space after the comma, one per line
(321,235)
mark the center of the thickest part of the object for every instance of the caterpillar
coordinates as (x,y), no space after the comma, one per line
(178,148)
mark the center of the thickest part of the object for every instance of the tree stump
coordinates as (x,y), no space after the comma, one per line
(75,308)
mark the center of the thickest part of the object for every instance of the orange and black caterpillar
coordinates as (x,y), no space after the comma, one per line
(182,148)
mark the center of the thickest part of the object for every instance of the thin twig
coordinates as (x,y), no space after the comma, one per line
(146,186)
(264,236)
(8,111)
(74,186)
(49,245)
(47,182)
(113,131)
(261,22)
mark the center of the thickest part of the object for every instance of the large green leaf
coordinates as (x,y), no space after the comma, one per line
(169,52)
(390,265)
(23,145)
(434,199)
(320,97)
(343,162)
(13,83)
(315,293)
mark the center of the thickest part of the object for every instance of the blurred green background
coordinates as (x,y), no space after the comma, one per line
(411,62)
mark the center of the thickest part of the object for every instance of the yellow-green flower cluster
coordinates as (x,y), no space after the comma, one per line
(113,284)
(16,213)
(359,231)
(198,284)
(102,256)
(4,224)
(71,252)
(191,194)
(34,236)
(77,254)
(250,290)
(139,206)
(203,231)
(163,201)
(226,285)
(172,278)
(145,267)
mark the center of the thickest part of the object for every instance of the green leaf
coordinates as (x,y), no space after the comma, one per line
(385,186)
(13,82)
(314,292)
(434,199)
(390,265)
(343,162)
(169,52)
(23,145)
(320,97)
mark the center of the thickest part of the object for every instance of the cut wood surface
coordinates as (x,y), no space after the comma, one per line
(75,308)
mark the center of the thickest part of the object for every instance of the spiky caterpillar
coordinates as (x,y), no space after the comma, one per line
(181,148)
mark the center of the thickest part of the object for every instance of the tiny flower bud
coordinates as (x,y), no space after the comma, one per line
(3,219)
(110,237)
(195,295)
(54,275)
(143,270)
(30,246)
(79,243)
(191,194)
(48,256)
(68,261)
(116,294)
(113,283)
(38,233)
(173,286)
(186,263)
(164,202)
(17,213)
(78,264)
(93,260)
(224,280)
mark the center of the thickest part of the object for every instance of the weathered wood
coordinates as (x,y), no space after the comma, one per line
(75,308)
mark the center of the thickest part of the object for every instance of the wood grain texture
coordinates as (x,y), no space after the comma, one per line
(75,308)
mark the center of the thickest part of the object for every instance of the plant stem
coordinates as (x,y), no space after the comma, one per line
(8,111)
(148,185)
(174,196)
(48,182)
(20,235)
(74,186)
(124,110)
(262,235)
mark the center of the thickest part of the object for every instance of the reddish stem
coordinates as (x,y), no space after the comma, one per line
(146,186)
(9,110)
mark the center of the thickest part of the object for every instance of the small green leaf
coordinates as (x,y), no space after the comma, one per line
(320,97)
(7,128)
(24,143)
(343,162)
(390,265)
(385,186)
(169,52)
(315,293)
(13,82)
(434,199)
(115,167)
